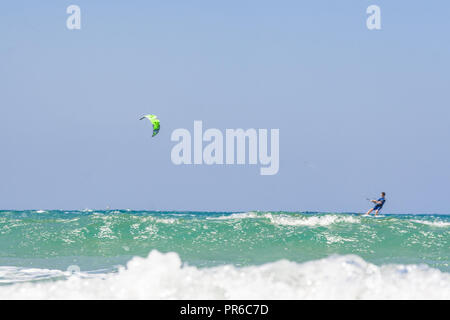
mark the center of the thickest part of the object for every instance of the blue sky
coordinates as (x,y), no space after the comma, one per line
(359,111)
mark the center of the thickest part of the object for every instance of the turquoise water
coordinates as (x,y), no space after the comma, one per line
(103,239)
(37,245)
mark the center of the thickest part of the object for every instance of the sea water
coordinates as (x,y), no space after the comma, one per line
(124,254)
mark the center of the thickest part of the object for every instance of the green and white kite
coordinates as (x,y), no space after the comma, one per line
(155,122)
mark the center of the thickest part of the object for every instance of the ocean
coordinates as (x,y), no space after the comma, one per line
(125,254)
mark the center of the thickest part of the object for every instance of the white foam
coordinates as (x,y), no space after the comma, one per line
(15,274)
(242,215)
(337,239)
(439,224)
(313,221)
(290,220)
(166,221)
(163,276)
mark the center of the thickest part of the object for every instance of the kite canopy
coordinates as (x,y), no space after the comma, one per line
(155,122)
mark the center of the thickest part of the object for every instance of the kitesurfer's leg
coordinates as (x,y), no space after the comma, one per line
(368,212)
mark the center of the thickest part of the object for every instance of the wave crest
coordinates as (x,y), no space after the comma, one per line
(314,221)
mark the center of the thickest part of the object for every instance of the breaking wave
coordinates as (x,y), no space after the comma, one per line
(164,276)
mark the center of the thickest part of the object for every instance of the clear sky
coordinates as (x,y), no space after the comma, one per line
(359,111)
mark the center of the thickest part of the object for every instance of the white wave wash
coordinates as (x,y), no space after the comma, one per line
(14,275)
(10,275)
(289,220)
(439,224)
(234,216)
(163,276)
(315,221)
